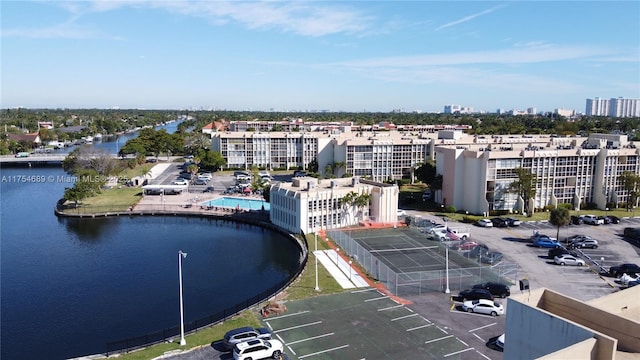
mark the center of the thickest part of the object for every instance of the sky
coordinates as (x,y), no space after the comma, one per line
(375,56)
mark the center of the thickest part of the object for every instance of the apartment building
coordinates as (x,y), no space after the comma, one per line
(308,204)
(477,171)
(614,107)
(377,155)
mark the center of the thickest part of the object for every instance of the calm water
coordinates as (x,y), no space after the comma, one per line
(69,286)
(233,202)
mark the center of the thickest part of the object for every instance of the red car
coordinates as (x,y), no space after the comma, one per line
(468,245)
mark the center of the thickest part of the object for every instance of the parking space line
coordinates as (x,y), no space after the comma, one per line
(323,351)
(438,339)
(291,350)
(299,326)
(365,290)
(419,327)
(404,317)
(476,335)
(483,355)
(464,343)
(284,316)
(482,327)
(458,352)
(311,338)
(379,298)
(443,330)
(391,307)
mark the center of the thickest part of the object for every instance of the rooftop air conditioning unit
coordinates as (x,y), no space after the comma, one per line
(334,183)
(354,181)
(310,185)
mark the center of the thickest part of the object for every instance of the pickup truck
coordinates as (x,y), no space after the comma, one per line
(444,232)
(461,233)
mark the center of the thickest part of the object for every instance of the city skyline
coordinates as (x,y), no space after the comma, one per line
(311,56)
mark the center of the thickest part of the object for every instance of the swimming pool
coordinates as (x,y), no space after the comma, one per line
(234,202)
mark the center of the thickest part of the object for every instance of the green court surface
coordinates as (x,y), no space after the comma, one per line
(362,324)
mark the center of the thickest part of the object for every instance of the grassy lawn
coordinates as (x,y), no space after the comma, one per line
(302,288)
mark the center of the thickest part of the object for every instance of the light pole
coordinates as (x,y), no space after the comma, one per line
(350,269)
(181,255)
(447,291)
(316,256)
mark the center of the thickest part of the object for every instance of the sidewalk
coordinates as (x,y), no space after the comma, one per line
(342,271)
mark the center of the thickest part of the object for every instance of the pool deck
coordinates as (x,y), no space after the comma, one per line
(187,203)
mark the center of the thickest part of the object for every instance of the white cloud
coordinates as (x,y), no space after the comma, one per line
(468,18)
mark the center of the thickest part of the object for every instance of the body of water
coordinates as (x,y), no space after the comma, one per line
(68,286)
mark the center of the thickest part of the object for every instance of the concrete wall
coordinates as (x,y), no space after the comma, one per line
(532,333)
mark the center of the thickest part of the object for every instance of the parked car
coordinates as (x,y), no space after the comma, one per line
(559,251)
(576,220)
(628,268)
(613,219)
(584,243)
(477,251)
(258,349)
(209,189)
(538,236)
(468,245)
(206,175)
(624,279)
(546,243)
(491,258)
(495,288)
(483,306)
(180,182)
(475,294)
(499,222)
(201,181)
(235,336)
(484,223)
(592,220)
(605,220)
(512,221)
(567,259)
(500,341)
(401,212)
(575,238)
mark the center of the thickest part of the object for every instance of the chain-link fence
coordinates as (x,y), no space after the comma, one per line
(463,272)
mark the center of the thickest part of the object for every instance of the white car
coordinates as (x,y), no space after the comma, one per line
(567,259)
(207,176)
(257,349)
(625,278)
(181,182)
(401,213)
(483,306)
(592,219)
(485,223)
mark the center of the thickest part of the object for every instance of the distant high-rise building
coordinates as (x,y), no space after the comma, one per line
(622,107)
(532,111)
(452,109)
(614,107)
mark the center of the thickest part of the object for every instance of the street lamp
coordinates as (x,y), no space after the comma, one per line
(316,256)
(350,269)
(181,255)
(447,291)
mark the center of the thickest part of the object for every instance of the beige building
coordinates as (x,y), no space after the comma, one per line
(308,204)
(478,170)
(544,324)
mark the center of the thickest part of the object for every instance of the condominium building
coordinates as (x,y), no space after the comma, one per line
(377,155)
(614,107)
(478,171)
(308,204)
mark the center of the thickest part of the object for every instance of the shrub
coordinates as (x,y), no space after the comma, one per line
(450,209)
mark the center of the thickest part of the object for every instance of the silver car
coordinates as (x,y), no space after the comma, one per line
(566,259)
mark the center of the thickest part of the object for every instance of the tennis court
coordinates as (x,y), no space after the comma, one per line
(407,263)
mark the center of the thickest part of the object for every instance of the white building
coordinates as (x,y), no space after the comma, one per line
(614,107)
(477,171)
(308,204)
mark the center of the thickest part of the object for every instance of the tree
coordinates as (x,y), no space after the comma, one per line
(525,186)
(426,172)
(88,183)
(312,166)
(210,159)
(559,217)
(354,200)
(86,157)
(630,182)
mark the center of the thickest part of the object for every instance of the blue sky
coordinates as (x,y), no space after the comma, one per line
(318,55)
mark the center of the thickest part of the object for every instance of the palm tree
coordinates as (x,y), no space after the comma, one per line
(559,217)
